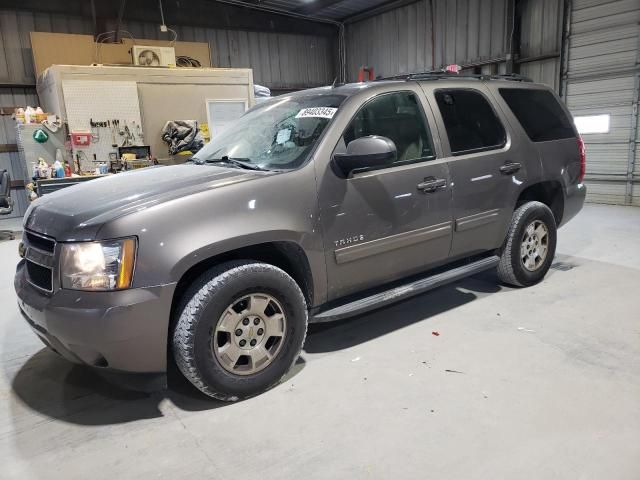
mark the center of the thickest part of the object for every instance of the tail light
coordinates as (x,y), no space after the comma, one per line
(583,159)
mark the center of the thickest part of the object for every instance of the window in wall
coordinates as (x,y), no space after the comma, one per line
(539,113)
(471,123)
(397,116)
(592,123)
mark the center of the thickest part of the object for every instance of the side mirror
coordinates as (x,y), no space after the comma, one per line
(366,153)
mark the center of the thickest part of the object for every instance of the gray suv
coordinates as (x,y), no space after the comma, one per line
(312,207)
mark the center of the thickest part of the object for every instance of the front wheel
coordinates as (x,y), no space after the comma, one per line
(241,329)
(530,245)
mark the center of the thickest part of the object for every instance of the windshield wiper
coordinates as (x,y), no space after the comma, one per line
(238,162)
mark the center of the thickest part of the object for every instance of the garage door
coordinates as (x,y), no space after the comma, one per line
(602,93)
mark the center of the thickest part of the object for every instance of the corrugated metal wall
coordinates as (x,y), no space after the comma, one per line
(11,161)
(603,78)
(401,40)
(465,32)
(541,34)
(280,61)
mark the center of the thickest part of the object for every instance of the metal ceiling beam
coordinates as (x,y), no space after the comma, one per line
(316,6)
(372,12)
(224,14)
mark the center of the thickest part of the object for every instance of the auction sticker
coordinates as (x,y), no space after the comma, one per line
(317,112)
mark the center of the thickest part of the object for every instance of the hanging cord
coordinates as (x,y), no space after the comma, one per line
(103,38)
(175,36)
(161,12)
(186,61)
(163,24)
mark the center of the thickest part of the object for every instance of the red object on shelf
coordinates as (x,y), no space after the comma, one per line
(80,139)
(362,71)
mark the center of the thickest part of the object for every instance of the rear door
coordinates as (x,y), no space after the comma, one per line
(384,224)
(484,165)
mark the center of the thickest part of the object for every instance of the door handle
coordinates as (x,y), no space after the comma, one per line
(510,167)
(431,184)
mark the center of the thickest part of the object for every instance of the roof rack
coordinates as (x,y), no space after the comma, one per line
(440,75)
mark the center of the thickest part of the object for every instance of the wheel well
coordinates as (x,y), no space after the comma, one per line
(549,193)
(288,256)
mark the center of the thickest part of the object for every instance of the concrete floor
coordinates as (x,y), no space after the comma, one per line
(533,383)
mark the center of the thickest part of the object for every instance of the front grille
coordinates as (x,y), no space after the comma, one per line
(40,276)
(41,243)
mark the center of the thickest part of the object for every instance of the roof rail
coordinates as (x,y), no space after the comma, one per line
(440,75)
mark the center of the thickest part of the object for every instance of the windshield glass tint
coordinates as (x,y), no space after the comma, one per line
(278,134)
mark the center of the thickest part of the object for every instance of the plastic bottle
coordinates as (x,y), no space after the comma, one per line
(40,115)
(29,115)
(20,115)
(57,167)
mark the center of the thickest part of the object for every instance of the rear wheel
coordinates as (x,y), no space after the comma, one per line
(530,245)
(241,329)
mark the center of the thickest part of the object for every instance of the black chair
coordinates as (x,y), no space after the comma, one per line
(6,202)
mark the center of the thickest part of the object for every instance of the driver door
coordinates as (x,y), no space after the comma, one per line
(385,224)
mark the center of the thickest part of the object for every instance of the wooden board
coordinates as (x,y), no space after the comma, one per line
(60,49)
(71,49)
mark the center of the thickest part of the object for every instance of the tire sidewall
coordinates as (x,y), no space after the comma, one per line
(255,280)
(537,212)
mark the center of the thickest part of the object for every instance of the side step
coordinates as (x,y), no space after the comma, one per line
(396,294)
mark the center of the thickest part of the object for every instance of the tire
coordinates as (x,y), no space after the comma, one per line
(213,303)
(512,270)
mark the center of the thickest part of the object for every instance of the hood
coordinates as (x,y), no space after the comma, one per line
(78,212)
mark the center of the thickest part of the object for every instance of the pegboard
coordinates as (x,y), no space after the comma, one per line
(102,101)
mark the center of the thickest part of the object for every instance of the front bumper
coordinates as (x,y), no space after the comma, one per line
(124,330)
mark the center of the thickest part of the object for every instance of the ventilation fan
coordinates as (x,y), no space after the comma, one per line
(148,56)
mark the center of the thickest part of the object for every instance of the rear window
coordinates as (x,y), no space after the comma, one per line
(471,123)
(539,113)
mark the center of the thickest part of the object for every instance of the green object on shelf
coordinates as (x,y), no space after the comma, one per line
(40,136)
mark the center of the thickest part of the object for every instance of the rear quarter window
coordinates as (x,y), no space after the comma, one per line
(539,113)
(471,124)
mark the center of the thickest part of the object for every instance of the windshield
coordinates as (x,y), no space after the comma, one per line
(276,135)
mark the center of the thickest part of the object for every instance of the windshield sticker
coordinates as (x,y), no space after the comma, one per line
(283,136)
(317,112)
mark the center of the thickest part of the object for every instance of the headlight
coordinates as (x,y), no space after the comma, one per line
(104,265)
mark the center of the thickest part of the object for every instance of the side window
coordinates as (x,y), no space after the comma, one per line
(397,116)
(471,123)
(539,113)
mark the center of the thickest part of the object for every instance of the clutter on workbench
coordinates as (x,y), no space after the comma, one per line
(182,136)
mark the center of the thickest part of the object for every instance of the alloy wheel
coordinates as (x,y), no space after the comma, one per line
(534,246)
(249,334)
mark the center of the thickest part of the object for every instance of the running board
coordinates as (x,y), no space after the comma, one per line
(396,294)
